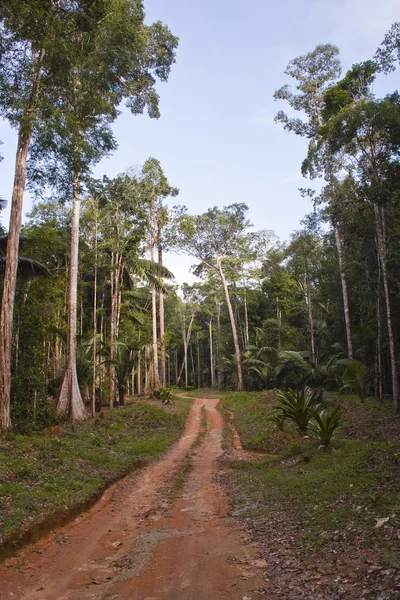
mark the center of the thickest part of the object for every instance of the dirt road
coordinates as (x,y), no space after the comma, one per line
(136,545)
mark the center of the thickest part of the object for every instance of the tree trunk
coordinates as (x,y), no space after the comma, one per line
(70,400)
(211,356)
(94,321)
(344,293)
(198,361)
(219,374)
(10,275)
(310,314)
(246,315)
(234,329)
(379,384)
(139,373)
(381,240)
(111,369)
(121,393)
(162,325)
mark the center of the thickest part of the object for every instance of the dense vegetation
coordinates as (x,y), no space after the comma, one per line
(320,310)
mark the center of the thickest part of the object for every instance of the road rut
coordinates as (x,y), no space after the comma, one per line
(135,545)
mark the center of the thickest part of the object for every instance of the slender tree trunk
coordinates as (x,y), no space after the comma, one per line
(186,340)
(139,373)
(219,374)
(70,400)
(94,320)
(246,314)
(81,318)
(310,314)
(156,381)
(185,351)
(211,356)
(133,378)
(10,275)
(379,386)
(111,369)
(198,361)
(381,239)
(234,329)
(181,369)
(344,293)
(162,325)
(193,368)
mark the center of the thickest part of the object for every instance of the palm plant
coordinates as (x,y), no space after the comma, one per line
(323,424)
(297,405)
(124,361)
(356,378)
(27,268)
(319,370)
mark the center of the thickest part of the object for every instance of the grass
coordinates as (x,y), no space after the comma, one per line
(48,474)
(307,502)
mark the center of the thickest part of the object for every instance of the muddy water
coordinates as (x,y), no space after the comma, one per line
(135,545)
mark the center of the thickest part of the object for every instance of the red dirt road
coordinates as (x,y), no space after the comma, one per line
(135,545)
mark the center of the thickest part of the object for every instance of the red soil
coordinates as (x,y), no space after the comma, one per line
(135,545)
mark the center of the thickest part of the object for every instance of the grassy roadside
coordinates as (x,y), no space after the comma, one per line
(48,478)
(314,512)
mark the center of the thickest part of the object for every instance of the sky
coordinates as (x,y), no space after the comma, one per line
(216,138)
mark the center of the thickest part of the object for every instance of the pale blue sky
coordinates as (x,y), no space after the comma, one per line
(216,138)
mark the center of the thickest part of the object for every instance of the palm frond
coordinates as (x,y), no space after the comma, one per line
(27,268)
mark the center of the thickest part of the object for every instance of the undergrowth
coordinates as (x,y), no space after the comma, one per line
(304,501)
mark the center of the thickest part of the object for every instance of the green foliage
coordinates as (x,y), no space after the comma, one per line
(164,394)
(297,405)
(356,378)
(279,420)
(323,424)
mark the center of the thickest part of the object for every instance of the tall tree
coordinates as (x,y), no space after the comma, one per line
(116,58)
(215,238)
(155,189)
(315,73)
(367,129)
(31,59)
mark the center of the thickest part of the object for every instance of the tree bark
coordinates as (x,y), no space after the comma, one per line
(238,355)
(94,319)
(344,293)
(186,339)
(139,373)
(111,369)
(162,323)
(310,314)
(381,244)
(211,356)
(198,362)
(246,315)
(10,275)
(70,400)
(156,377)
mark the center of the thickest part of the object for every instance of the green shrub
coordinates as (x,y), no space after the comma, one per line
(296,405)
(323,424)
(279,420)
(164,394)
(356,378)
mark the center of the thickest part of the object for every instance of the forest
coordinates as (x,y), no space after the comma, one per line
(89,312)
(91,318)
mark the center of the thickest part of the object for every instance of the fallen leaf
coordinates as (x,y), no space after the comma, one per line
(380,522)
